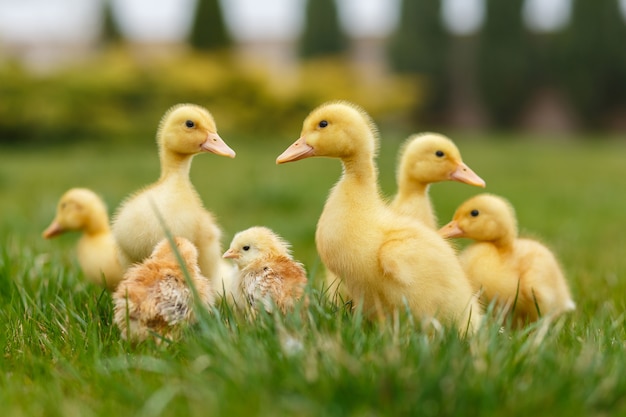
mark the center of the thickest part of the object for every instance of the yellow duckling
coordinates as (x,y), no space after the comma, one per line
(427,158)
(387,261)
(518,273)
(185,130)
(154,296)
(80,209)
(268,275)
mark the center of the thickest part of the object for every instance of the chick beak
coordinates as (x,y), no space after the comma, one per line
(451,229)
(230,254)
(298,150)
(216,145)
(463,173)
(53,230)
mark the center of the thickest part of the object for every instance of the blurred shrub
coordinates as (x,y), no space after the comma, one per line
(120,98)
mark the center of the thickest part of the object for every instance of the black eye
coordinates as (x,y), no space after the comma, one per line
(474,213)
(439,154)
(190,123)
(323,124)
(246,248)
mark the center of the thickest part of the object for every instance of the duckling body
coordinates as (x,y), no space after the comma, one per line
(268,275)
(80,209)
(425,159)
(154,296)
(521,275)
(387,261)
(172,202)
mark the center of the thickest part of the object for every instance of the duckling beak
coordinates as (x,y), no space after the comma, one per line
(463,173)
(230,254)
(53,230)
(298,150)
(216,145)
(451,229)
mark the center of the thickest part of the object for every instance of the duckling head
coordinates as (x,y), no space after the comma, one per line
(485,218)
(188,129)
(429,157)
(256,243)
(79,209)
(336,129)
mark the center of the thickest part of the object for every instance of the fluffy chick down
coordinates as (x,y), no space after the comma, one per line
(267,274)
(154,297)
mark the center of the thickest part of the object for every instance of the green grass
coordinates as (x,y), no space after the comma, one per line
(62,357)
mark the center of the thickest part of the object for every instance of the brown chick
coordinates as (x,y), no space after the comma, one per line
(154,298)
(268,275)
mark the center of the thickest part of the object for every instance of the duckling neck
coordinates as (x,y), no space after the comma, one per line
(410,191)
(98,225)
(505,242)
(360,173)
(175,165)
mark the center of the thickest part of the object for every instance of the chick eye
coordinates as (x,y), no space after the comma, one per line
(474,213)
(439,154)
(246,248)
(190,123)
(323,124)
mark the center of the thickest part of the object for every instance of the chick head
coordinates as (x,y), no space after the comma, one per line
(256,243)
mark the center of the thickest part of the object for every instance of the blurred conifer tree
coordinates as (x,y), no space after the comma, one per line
(504,62)
(110,29)
(208,31)
(421,45)
(322,33)
(592,64)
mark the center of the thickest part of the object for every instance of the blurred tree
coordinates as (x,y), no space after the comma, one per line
(592,64)
(504,62)
(421,45)
(209,31)
(110,30)
(322,33)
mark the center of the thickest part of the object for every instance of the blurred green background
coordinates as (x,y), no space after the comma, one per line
(105,70)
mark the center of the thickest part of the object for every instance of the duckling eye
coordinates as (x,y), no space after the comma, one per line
(246,248)
(439,154)
(323,124)
(190,123)
(474,213)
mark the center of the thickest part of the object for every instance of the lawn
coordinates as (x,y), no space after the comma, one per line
(62,357)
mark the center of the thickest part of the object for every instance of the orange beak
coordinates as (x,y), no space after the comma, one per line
(230,254)
(463,173)
(451,229)
(53,230)
(216,145)
(298,150)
